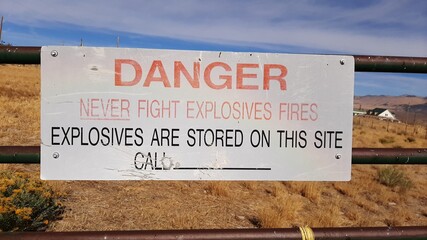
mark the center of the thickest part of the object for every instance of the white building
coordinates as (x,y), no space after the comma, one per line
(382,113)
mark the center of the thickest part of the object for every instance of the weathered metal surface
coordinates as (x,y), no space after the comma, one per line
(390,64)
(20,154)
(233,234)
(31,154)
(363,63)
(389,156)
(19,55)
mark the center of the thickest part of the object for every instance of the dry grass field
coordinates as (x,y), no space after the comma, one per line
(128,205)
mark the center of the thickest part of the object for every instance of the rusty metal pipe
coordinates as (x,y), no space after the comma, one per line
(19,149)
(20,154)
(390,64)
(389,156)
(372,233)
(19,55)
(363,63)
(214,234)
(31,155)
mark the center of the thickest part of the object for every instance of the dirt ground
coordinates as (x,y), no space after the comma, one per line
(140,205)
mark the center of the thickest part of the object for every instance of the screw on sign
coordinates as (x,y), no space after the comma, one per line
(54,53)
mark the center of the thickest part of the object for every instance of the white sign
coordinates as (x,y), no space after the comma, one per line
(115,114)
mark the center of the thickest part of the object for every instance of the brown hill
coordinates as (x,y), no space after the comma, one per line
(408,108)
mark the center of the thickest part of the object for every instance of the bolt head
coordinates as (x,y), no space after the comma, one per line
(342,61)
(54,53)
(55,155)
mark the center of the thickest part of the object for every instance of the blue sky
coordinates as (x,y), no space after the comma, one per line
(384,27)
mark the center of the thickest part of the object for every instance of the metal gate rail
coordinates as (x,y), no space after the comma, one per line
(31,155)
(304,233)
(363,63)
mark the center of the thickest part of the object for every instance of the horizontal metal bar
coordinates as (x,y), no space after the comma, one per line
(390,64)
(31,155)
(19,55)
(363,63)
(372,233)
(389,156)
(20,154)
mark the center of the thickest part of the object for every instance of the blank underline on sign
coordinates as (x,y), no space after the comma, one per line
(206,168)
(107,119)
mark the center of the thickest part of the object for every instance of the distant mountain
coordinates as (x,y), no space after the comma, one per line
(406,107)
